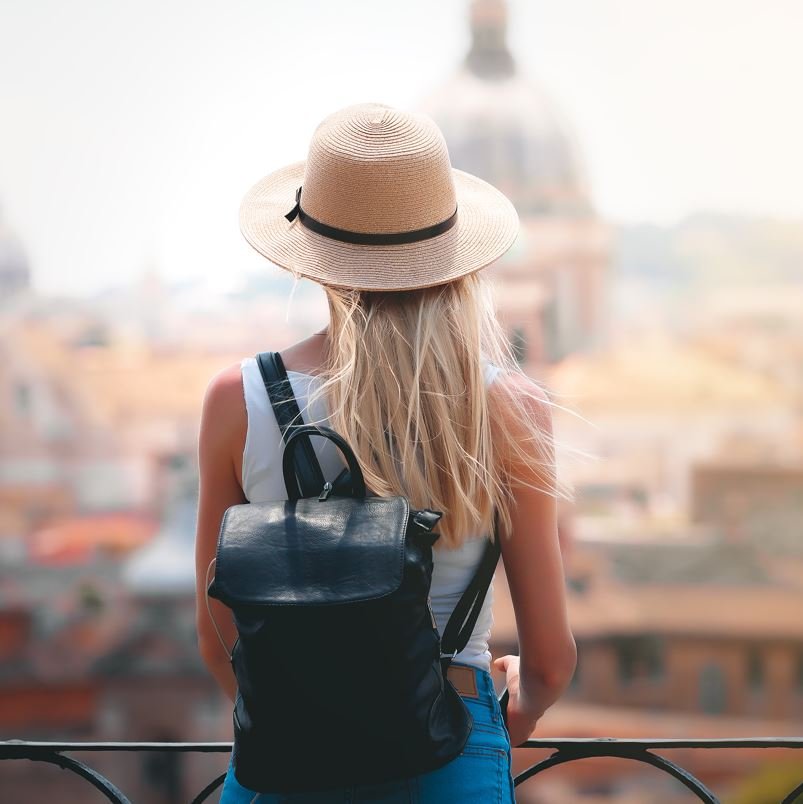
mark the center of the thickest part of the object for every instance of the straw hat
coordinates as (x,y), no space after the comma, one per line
(381,206)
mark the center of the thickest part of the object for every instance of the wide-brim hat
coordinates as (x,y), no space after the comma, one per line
(381,206)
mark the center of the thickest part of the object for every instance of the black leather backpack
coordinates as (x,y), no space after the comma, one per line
(340,668)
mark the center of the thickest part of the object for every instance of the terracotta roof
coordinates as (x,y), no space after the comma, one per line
(710,610)
(77,538)
(127,380)
(569,718)
(656,374)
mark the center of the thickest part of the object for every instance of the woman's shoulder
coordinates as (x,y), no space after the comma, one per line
(226,386)
(513,394)
(515,383)
(223,408)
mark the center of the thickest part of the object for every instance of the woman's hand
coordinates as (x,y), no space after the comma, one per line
(522,712)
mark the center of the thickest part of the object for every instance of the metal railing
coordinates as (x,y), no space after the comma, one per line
(565,750)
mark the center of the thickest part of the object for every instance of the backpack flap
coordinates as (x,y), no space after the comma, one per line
(310,552)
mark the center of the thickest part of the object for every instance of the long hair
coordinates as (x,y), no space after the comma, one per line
(404,382)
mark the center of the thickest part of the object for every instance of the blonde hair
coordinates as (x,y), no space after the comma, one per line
(404,382)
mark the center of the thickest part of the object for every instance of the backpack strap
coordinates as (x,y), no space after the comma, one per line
(311,480)
(309,475)
(464,617)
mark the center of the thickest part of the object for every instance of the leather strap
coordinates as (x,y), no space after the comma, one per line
(310,480)
(309,476)
(464,617)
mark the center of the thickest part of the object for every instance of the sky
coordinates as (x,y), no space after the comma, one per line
(129,131)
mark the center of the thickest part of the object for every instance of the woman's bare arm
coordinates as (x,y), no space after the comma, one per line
(534,567)
(222,418)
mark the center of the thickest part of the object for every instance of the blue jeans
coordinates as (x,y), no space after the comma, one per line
(480,774)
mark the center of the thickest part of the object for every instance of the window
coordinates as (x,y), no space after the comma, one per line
(518,344)
(578,583)
(640,657)
(22,398)
(551,330)
(712,689)
(755,670)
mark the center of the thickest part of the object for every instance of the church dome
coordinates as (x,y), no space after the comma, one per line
(506,128)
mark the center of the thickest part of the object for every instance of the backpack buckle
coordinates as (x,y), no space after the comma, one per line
(426,519)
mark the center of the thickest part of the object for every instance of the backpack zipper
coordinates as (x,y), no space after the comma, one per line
(431,614)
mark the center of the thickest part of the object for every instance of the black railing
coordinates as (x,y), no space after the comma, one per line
(566,750)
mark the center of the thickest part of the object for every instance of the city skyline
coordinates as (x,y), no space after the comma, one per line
(136,130)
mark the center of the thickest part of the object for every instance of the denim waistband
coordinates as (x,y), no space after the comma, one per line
(483,680)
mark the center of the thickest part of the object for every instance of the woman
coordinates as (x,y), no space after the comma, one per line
(416,373)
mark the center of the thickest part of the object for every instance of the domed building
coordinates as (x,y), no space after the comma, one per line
(505,128)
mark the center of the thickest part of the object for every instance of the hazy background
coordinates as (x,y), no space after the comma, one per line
(656,289)
(131,130)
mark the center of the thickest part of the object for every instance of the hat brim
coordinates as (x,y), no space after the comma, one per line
(487,226)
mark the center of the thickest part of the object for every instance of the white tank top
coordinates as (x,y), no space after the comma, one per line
(453,569)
